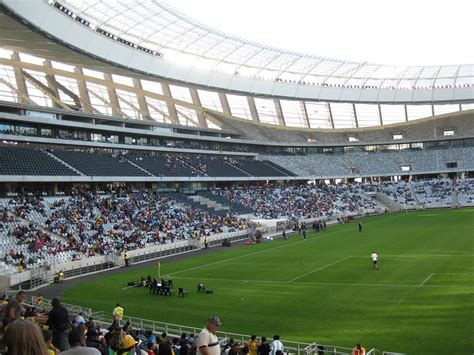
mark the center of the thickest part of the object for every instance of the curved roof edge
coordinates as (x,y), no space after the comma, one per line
(83,40)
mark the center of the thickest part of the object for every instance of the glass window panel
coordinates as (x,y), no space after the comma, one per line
(99,98)
(158,110)
(152,86)
(318,114)
(119,79)
(441,109)
(293,113)
(34,93)
(239,106)
(467,107)
(392,114)
(367,115)
(418,111)
(186,116)
(343,115)
(266,111)
(128,103)
(210,99)
(181,93)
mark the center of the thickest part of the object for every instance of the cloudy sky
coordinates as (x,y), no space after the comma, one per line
(402,32)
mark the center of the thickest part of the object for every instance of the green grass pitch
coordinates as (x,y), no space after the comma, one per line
(324,288)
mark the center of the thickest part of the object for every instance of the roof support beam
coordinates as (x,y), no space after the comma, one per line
(330,115)
(52,83)
(279,112)
(171,107)
(253,109)
(305,114)
(113,99)
(380,114)
(45,90)
(56,86)
(20,81)
(225,103)
(197,101)
(355,115)
(109,104)
(83,93)
(142,104)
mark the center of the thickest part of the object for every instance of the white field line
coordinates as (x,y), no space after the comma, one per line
(420,256)
(278,247)
(320,283)
(426,280)
(321,268)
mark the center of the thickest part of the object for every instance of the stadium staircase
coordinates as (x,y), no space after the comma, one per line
(188,200)
(233,206)
(64,163)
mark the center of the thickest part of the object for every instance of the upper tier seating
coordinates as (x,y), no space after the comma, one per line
(25,161)
(164,165)
(99,164)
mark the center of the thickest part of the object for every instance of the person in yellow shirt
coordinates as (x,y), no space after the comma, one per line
(118,313)
(253,345)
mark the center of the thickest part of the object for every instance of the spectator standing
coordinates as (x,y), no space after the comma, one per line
(58,322)
(14,308)
(264,347)
(126,258)
(253,345)
(208,343)
(118,313)
(276,346)
(358,350)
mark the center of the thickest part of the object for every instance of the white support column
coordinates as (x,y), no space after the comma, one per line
(113,99)
(305,113)
(83,93)
(380,114)
(253,109)
(330,115)
(142,104)
(355,115)
(20,80)
(197,101)
(171,107)
(52,84)
(225,103)
(279,112)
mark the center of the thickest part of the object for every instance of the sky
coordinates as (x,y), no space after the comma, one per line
(402,32)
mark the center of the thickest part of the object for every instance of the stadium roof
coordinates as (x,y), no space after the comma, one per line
(152,38)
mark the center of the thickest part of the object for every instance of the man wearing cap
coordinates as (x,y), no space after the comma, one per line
(93,341)
(128,346)
(208,343)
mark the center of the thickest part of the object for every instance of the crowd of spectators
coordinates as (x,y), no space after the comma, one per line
(87,223)
(40,330)
(299,202)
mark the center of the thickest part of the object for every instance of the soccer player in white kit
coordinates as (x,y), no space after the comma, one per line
(375,258)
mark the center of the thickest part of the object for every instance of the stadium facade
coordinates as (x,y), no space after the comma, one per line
(104,77)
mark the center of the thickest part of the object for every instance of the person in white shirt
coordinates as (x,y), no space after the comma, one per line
(276,347)
(208,343)
(375,258)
